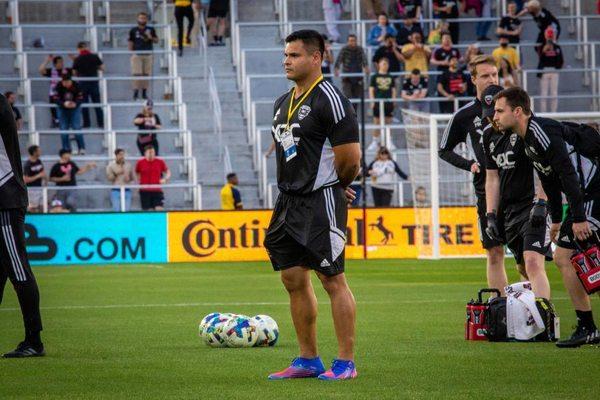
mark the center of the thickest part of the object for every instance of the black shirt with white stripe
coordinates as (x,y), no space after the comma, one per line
(13,193)
(324,120)
(465,124)
(557,153)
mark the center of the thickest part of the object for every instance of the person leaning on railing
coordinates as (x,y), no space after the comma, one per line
(120,173)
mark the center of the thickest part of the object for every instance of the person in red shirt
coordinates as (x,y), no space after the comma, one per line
(151,170)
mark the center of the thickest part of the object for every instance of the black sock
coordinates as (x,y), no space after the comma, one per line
(585,319)
(136,93)
(144,94)
(216,38)
(33,338)
(220,39)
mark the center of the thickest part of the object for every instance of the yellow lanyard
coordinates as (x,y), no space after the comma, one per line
(291,110)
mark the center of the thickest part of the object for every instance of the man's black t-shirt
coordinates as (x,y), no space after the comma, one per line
(404,32)
(87,65)
(441,54)
(140,40)
(453,11)
(510,24)
(59,170)
(410,88)
(13,193)
(387,52)
(454,82)
(506,154)
(383,85)
(545,19)
(16,112)
(32,168)
(147,138)
(557,154)
(324,120)
(465,123)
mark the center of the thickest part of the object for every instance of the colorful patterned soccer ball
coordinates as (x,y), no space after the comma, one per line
(240,331)
(205,321)
(213,332)
(268,331)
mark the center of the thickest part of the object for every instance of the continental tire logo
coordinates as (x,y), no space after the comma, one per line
(203,239)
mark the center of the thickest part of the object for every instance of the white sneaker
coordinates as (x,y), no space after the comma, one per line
(74,152)
(374,146)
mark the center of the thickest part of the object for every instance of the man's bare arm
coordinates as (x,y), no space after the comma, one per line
(347,162)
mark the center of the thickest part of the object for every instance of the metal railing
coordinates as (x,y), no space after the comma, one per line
(215,106)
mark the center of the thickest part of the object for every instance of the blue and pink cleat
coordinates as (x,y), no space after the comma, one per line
(340,370)
(301,368)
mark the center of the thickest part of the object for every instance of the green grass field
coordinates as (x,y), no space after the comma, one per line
(124,332)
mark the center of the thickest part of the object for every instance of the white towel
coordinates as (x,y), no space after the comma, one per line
(523,320)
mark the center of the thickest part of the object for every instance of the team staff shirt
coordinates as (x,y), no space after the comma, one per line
(506,154)
(13,193)
(32,168)
(325,119)
(230,197)
(466,123)
(560,167)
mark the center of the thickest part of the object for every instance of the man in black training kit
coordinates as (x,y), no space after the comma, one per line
(13,257)
(515,214)
(466,123)
(318,156)
(566,157)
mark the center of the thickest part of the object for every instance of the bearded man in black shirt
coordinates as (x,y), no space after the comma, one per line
(14,264)
(315,130)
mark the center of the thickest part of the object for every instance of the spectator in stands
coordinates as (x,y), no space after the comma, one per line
(442,55)
(415,89)
(231,199)
(142,39)
(183,9)
(378,32)
(472,51)
(506,52)
(120,173)
(147,121)
(56,206)
(217,19)
(34,176)
(435,35)
(451,84)
(507,77)
(392,52)
(510,25)
(543,18)
(482,27)
(551,60)
(371,8)
(55,73)
(421,200)
(332,10)
(11,97)
(407,10)
(87,65)
(382,86)
(152,170)
(69,98)
(328,58)
(383,172)
(352,59)
(448,10)
(405,31)
(416,54)
(64,173)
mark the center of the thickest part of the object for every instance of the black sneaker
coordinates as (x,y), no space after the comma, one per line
(581,336)
(26,350)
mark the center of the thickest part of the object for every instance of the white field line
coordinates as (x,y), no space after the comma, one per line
(180,305)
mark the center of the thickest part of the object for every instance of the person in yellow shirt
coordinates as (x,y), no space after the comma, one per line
(231,199)
(183,9)
(416,54)
(509,53)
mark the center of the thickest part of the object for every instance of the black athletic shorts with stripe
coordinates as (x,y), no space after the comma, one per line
(520,235)
(13,258)
(592,212)
(309,231)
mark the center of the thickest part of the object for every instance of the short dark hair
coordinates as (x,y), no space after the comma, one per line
(56,59)
(312,40)
(118,150)
(516,97)
(446,33)
(231,175)
(142,13)
(416,71)
(32,149)
(82,45)
(8,93)
(382,13)
(148,147)
(351,35)
(62,152)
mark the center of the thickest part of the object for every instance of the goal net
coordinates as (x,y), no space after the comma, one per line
(443,197)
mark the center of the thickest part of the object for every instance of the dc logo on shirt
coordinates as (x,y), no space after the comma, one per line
(303,112)
(513,139)
(277,131)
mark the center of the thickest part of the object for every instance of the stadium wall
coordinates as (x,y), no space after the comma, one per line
(62,239)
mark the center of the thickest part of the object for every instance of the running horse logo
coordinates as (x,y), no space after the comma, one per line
(387,234)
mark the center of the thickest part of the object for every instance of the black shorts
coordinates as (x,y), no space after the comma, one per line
(388,109)
(151,200)
(309,231)
(592,212)
(218,9)
(486,241)
(521,236)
